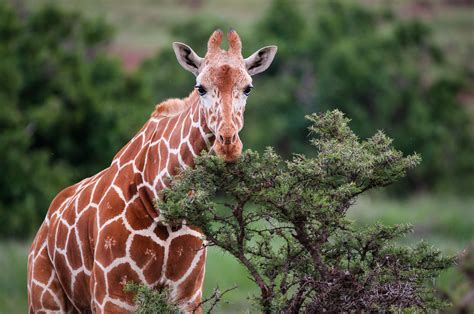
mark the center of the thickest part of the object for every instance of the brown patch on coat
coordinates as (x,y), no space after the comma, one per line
(81,291)
(137,217)
(74,255)
(183,249)
(149,256)
(111,243)
(117,277)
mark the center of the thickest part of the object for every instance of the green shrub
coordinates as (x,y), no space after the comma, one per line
(149,301)
(285,221)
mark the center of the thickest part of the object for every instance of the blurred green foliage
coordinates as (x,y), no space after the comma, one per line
(383,73)
(67,106)
(63,107)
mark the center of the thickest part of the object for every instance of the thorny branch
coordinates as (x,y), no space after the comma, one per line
(214,299)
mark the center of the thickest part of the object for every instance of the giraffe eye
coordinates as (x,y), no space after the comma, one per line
(247,90)
(201,90)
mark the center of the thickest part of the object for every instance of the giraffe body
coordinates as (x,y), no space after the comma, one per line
(104,231)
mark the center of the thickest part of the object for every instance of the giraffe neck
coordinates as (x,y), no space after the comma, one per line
(165,146)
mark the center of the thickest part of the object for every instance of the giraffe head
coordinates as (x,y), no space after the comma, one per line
(223,82)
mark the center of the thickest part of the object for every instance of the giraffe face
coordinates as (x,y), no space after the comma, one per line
(223,81)
(223,90)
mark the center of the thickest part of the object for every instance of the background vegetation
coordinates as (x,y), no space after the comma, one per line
(68,103)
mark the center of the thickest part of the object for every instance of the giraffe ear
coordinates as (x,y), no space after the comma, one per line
(260,60)
(188,59)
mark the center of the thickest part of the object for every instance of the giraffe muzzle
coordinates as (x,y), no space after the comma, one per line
(227,140)
(228,144)
(227,136)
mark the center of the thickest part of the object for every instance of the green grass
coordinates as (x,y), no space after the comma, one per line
(444,222)
(223,271)
(13,261)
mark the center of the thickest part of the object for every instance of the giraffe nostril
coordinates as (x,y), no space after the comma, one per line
(227,137)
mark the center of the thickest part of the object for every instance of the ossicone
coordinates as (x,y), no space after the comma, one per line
(214,43)
(235,44)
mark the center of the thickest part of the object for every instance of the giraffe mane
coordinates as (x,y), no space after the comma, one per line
(170,107)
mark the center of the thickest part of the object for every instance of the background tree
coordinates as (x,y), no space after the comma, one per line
(383,72)
(64,105)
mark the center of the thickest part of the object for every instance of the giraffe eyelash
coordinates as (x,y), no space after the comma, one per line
(201,90)
(247,90)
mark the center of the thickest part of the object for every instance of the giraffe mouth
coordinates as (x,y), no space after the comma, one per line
(229,152)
